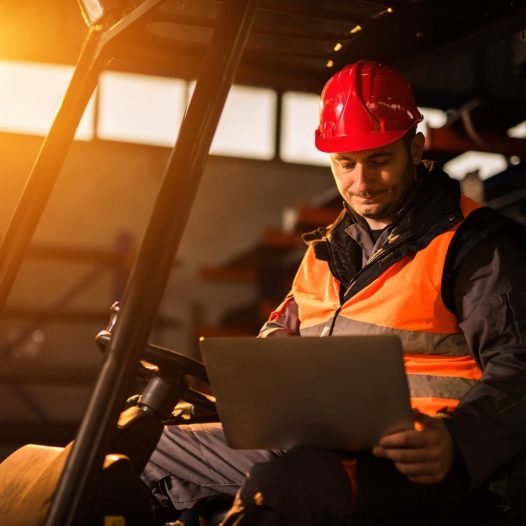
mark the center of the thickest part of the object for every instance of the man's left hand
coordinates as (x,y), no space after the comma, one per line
(424,454)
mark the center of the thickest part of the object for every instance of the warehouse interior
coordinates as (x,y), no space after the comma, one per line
(263,184)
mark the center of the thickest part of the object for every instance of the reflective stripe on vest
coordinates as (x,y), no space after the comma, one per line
(404,300)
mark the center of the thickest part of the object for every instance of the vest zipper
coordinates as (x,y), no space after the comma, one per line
(380,253)
(327,330)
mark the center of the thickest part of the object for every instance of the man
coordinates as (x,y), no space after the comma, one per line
(409,256)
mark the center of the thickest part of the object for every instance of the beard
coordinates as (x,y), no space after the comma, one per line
(394,202)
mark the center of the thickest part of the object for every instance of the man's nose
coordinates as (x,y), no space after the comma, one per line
(361,179)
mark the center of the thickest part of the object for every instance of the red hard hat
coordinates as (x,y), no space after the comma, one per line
(365,105)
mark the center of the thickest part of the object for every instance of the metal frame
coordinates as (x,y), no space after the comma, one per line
(150,273)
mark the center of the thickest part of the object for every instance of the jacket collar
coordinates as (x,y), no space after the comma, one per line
(432,205)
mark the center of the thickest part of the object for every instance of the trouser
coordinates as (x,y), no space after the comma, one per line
(192,464)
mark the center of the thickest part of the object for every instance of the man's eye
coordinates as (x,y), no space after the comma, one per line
(379,162)
(347,166)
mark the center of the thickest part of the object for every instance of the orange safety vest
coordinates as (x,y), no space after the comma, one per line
(405,300)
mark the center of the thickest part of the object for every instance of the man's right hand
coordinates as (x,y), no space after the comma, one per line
(424,454)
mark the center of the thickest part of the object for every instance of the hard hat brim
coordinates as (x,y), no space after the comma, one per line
(357,142)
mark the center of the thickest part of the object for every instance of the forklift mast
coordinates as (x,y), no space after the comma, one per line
(150,273)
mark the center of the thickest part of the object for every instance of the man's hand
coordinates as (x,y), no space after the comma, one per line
(424,455)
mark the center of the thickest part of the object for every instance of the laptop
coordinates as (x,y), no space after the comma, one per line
(340,392)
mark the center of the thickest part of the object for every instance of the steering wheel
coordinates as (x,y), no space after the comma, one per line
(174,366)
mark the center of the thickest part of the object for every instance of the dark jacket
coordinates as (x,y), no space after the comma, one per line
(484,285)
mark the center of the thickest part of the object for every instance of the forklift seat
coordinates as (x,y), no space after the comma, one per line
(29,477)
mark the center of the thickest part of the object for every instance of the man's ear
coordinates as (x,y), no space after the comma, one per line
(417,148)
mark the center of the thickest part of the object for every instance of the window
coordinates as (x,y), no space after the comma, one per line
(518,131)
(30,95)
(299,120)
(140,108)
(487,164)
(433,117)
(247,125)
(149,110)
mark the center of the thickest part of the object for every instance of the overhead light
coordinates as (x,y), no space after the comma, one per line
(330,63)
(338,46)
(355,29)
(387,11)
(487,164)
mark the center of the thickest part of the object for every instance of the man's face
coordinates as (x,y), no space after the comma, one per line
(374,182)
